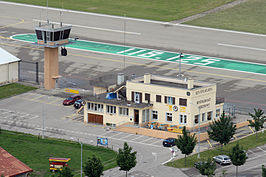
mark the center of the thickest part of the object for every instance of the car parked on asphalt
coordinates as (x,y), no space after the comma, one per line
(222,159)
(169,142)
(79,103)
(71,100)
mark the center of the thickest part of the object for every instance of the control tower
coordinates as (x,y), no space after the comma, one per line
(51,36)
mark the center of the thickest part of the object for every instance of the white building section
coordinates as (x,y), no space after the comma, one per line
(9,66)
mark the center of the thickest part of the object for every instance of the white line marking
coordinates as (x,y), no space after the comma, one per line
(137,137)
(261,149)
(135,19)
(94,28)
(146,139)
(126,136)
(156,142)
(115,135)
(251,151)
(239,46)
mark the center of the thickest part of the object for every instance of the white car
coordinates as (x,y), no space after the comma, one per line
(222,159)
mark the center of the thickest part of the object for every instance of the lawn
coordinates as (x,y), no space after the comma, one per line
(249,16)
(14,89)
(247,143)
(35,152)
(162,10)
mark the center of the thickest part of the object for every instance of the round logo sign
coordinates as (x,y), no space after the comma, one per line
(175,108)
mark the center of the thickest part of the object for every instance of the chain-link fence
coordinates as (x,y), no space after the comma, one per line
(28,71)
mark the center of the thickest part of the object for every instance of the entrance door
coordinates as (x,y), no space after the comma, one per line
(136,116)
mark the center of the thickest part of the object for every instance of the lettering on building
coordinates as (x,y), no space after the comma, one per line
(203,91)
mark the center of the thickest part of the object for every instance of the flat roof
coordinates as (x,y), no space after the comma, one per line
(6,57)
(171,84)
(101,98)
(11,166)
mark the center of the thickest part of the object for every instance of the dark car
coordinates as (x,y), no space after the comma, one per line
(79,103)
(169,142)
(71,100)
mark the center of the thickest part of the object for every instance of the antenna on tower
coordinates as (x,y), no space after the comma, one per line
(180,75)
(47,11)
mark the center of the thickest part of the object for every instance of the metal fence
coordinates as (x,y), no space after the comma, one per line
(28,71)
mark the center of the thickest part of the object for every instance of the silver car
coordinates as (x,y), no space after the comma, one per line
(222,159)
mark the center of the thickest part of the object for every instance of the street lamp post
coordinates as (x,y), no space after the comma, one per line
(180,58)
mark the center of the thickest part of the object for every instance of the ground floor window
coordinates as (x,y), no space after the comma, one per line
(217,113)
(95,107)
(182,119)
(203,117)
(110,109)
(155,115)
(123,111)
(169,117)
(209,115)
(145,115)
(196,119)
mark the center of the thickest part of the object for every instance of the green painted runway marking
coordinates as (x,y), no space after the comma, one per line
(159,55)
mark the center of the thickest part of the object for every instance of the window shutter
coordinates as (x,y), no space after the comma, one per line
(165,99)
(173,100)
(140,97)
(132,96)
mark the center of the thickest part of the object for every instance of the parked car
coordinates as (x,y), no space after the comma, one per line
(79,103)
(71,100)
(169,142)
(222,159)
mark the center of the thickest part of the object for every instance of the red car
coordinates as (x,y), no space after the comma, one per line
(71,100)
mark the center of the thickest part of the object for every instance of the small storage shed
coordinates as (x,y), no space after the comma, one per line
(9,67)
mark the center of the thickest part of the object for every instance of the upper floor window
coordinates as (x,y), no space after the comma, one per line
(169,100)
(203,117)
(110,109)
(158,98)
(209,115)
(147,97)
(218,113)
(95,107)
(136,97)
(182,102)
(183,119)
(196,120)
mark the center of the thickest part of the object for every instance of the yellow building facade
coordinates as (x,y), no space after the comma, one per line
(152,98)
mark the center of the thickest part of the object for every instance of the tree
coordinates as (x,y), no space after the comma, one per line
(93,167)
(186,143)
(263,171)
(222,130)
(207,167)
(65,172)
(238,156)
(258,120)
(125,158)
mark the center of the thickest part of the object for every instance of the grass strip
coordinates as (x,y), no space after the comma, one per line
(248,16)
(247,143)
(35,152)
(14,89)
(166,10)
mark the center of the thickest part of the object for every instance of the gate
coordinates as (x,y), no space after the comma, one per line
(28,71)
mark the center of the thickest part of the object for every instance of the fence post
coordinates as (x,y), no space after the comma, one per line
(37,72)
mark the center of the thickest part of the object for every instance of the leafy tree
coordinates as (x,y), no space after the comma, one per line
(258,120)
(238,156)
(222,130)
(65,172)
(125,158)
(186,143)
(263,171)
(93,167)
(207,168)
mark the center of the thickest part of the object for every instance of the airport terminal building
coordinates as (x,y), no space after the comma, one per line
(153,98)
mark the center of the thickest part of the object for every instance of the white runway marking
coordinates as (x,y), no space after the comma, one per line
(146,139)
(94,28)
(243,47)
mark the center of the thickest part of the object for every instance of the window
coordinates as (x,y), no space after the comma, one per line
(183,119)
(145,115)
(209,115)
(169,100)
(147,97)
(123,111)
(110,109)
(95,107)
(158,98)
(182,102)
(136,97)
(217,113)
(203,117)
(154,114)
(196,120)
(169,117)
